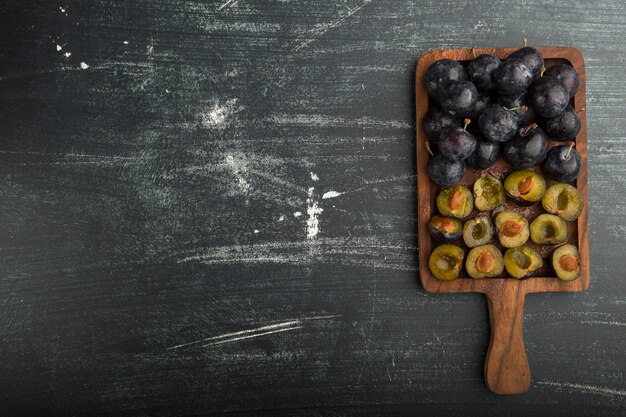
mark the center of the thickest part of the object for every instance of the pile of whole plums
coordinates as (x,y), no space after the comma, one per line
(509,108)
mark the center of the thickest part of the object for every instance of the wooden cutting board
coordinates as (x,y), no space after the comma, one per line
(506,365)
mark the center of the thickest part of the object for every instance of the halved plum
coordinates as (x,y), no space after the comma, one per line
(445,262)
(484,261)
(566,262)
(478,231)
(525,187)
(548,229)
(522,262)
(455,201)
(445,229)
(564,200)
(512,229)
(488,193)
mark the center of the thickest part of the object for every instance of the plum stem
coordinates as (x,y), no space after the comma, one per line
(581,110)
(465,123)
(529,128)
(571,146)
(543,69)
(524,39)
(428,149)
(522,108)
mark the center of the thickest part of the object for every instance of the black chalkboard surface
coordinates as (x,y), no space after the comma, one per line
(208,208)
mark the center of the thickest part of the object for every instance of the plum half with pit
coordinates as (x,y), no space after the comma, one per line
(445,229)
(455,201)
(525,187)
(563,127)
(484,261)
(564,200)
(528,147)
(512,229)
(481,70)
(446,261)
(548,96)
(478,231)
(497,123)
(443,171)
(442,73)
(522,262)
(563,163)
(567,75)
(548,229)
(566,262)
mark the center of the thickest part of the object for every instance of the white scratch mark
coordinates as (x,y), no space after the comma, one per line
(125,42)
(237,167)
(314,176)
(218,114)
(83,66)
(297,214)
(322,29)
(256,231)
(608,323)
(229,3)
(236,339)
(331,194)
(592,389)
(313,210)
(290,323)
(62,9)
(59,48)
(67,54)
(251,333)
(281,218)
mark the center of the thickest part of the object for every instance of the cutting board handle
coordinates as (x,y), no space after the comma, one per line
(506,365)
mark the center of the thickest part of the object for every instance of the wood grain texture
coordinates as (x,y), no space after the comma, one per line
(130,192)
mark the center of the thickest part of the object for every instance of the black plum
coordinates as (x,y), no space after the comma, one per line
(563,164)
(567,75)
(548,96)
(563,127)
(459,98)
(482,102)
(497,123)
(485,154)
(445,172)
(456,144)
(513,77)
(524,112)
(531,57)
(528,147)
(435,120)
(480,71)
(441,73)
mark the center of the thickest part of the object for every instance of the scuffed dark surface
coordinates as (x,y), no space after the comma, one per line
(166,194)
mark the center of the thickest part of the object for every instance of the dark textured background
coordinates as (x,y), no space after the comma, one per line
(166,195)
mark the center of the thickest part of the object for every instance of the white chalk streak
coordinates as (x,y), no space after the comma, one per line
(313,210)
(236,339)
(592,389)
(243,332)
(331,194)
(322,29)
(229,3)
(608,323)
